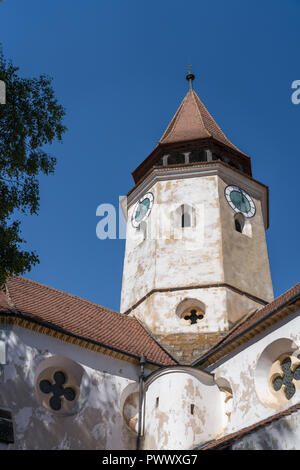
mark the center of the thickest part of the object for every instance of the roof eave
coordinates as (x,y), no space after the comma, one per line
(10,315)
(208,358)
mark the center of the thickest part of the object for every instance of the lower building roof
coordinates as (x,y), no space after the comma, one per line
(253,325)
(230,439)
(73,317)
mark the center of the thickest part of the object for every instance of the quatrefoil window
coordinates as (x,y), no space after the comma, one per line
(57,390)
(193,315)
(285,381)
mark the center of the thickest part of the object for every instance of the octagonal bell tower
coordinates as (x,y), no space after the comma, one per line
(196,259)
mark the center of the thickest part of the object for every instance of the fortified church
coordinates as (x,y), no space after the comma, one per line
(201,356)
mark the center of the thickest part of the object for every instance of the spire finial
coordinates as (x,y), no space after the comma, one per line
(190,76)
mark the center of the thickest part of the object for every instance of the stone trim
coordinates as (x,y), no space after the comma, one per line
(73,339)
(198,169)
(200,286)
(249,333)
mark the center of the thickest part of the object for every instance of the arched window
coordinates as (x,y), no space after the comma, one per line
(186,214)
(176,158)
(185,219)
(61,385)
(199,156)
(239,222)
(234,165)
(190,311)
(277,373)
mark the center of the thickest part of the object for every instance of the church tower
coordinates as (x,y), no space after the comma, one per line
(196,260)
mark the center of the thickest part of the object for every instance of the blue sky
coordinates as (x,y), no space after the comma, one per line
(119,70)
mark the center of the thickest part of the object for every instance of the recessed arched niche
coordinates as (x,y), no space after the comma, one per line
(184,216)
(277,373)
(61,385)
(190,311)
(129,404)
(226,390)
(242,224)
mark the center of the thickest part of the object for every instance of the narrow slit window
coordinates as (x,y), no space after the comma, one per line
(239,222)
(157,402)
(192,408)
(238,226)
(185,220)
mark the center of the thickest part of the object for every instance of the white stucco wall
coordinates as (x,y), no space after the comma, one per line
(174,257)
(169,422)
(174,263)
(283,434)
(247,370)
(97,425)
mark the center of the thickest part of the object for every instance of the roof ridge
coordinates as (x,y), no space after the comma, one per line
(70,315)
(173,120)
(195,97)
(248,317)
(213,120)
(254,318)
(63,293)
(9,299)
(155,340)
(193,121)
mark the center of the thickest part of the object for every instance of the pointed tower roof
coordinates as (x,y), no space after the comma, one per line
(192,121)
(193,127)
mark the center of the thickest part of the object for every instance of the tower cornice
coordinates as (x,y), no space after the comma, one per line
(201,169)
(188,146)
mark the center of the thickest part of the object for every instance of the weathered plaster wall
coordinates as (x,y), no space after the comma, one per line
(283,434)
(247,371)
(239,305)
(174,257)
(245,258)
(169,422)
(98,424)
(209,252)
(158,311)
(186,342)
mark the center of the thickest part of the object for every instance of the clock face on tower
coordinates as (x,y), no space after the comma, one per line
(240,201)
(142,209)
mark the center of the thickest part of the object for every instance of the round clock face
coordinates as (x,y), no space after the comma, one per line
(240,201)
(142,209)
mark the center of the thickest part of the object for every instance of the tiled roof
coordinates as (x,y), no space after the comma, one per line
(192,121)
(81,318)
(258,316)
(4,306)
(234,437)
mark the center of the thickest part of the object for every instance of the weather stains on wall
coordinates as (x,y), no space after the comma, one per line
(97,424)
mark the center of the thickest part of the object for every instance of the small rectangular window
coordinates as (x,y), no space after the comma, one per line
(157,402)
(192,408)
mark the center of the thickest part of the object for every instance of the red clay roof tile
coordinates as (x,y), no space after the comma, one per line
(193,121)
(82,318)
(234,437)
(258,315)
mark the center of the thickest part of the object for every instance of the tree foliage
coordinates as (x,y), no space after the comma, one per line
(30,119)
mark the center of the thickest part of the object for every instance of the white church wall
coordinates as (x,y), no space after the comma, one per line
(248,371)
(283,434)
(183,408)
(96,423)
